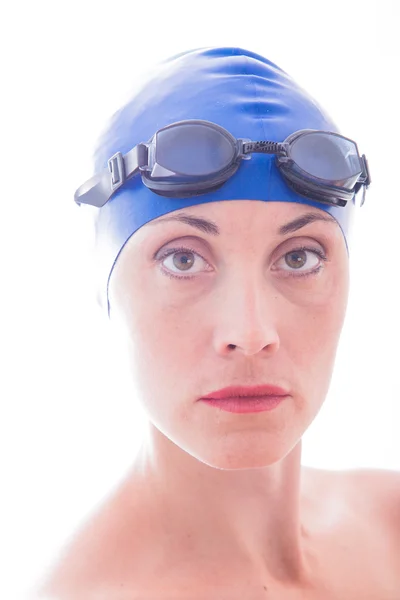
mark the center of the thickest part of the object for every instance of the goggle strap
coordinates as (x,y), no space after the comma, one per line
(120,167)
(96,191)
(135,158)
(367,180)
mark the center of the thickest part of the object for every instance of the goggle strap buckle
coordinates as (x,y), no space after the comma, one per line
(117,169)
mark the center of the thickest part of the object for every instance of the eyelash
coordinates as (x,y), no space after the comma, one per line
(289,274)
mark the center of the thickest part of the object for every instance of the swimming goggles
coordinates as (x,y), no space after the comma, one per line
(195,157)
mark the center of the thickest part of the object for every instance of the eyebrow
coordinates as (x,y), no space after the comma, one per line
(212,228)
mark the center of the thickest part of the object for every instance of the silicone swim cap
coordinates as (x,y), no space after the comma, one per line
(243,92)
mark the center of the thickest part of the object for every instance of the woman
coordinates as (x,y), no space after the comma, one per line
(224,262)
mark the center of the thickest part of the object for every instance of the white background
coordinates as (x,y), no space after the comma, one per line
(68,428)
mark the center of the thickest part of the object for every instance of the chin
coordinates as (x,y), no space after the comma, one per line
(250,458)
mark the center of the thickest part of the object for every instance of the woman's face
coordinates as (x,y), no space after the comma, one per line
(242,307)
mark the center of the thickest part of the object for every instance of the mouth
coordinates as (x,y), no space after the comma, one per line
(246,392)
(246,404)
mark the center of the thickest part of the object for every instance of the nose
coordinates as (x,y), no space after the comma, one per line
(247,318)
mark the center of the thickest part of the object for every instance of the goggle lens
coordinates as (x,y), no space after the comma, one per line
(327,157)
(193,150)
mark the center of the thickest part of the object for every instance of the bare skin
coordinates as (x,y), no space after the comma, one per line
(216,501)
(125,552)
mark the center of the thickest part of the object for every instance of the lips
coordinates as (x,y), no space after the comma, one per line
(246,391)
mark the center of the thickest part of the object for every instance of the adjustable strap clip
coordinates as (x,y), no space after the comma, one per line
(116,167)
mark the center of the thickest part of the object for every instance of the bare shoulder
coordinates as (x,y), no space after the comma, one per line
(372,495)
(375,494)
(381,488)
(376,490)
(102,548)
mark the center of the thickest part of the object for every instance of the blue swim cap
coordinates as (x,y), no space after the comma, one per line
(243,92)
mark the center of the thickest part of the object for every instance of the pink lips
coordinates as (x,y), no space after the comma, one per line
(245,399)
(244,391)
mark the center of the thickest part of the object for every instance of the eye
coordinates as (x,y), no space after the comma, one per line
(296,258)
(184,258)
(181,258)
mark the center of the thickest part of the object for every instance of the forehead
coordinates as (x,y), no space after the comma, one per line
(212,218)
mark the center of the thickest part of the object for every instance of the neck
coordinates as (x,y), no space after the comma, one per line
(239,518)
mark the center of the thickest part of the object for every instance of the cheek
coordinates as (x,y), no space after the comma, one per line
(310,333)
(160,336)
(161,357)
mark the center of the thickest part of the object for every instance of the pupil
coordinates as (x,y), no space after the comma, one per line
(297,262)
(183,261)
